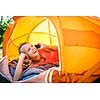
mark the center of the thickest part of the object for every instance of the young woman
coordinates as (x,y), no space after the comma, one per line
(40,55)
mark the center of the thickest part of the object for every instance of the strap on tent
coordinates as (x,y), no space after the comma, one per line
(89,72)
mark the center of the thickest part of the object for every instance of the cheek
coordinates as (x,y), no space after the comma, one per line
(30,54)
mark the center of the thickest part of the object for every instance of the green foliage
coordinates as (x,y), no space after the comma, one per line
(4,22)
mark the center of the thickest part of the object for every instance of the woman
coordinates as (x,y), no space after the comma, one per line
(39,54)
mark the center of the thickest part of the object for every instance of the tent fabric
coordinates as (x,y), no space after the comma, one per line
(24,32)
(73,44)
(77,38)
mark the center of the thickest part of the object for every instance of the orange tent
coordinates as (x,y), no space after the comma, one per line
(76,36)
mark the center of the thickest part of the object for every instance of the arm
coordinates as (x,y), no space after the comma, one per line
(48,48)
(19,67)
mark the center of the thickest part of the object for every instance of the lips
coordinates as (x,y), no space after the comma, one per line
(34,52)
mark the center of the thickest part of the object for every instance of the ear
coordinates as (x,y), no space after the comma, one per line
(27,56)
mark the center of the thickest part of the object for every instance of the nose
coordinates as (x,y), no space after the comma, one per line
(33,48)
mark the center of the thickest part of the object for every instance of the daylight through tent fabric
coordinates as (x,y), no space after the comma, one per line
(76,36)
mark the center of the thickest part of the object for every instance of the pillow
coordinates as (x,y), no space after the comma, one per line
(4,69)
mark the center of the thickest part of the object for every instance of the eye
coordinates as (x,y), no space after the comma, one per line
(28,49)
(31,45)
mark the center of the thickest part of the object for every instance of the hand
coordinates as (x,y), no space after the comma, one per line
(22,55)
(41,45)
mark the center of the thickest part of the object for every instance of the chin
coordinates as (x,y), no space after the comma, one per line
(36,57)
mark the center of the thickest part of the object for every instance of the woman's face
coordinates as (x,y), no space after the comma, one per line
(30,50)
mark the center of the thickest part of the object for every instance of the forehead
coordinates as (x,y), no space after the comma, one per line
(25,47)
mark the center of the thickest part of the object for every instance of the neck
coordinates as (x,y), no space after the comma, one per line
(40,58)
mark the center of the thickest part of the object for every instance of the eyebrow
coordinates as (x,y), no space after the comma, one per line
(28,48)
